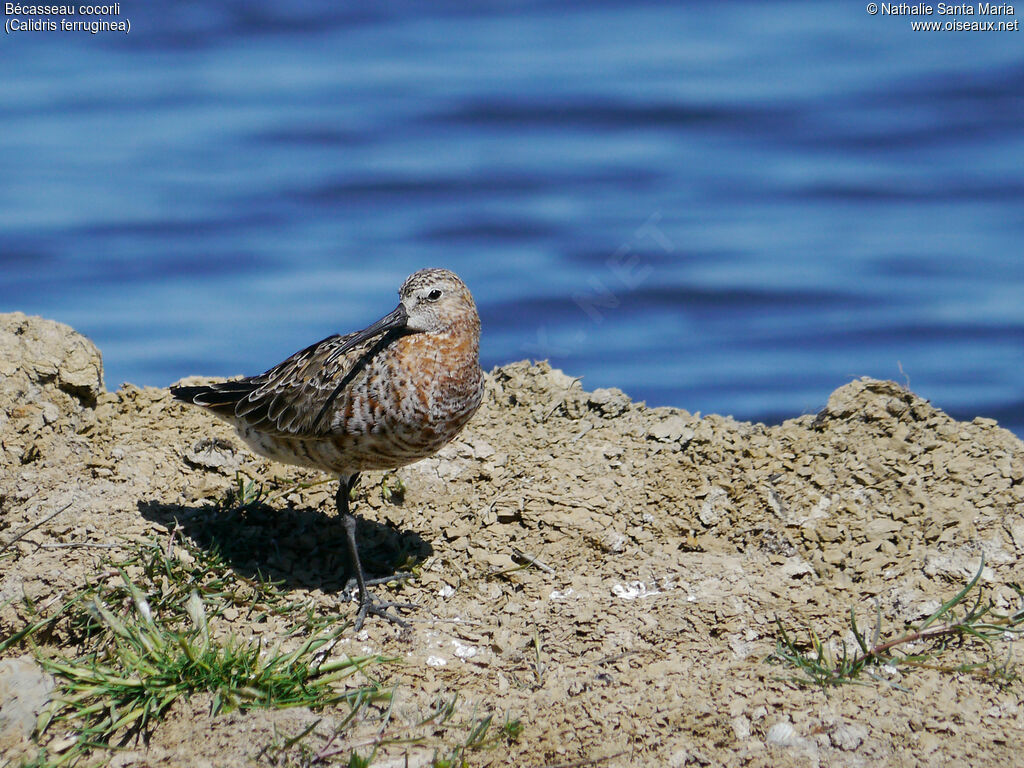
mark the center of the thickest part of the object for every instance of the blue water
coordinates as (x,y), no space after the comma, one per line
(727,207)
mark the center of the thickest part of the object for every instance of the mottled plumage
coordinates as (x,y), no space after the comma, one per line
(379,398)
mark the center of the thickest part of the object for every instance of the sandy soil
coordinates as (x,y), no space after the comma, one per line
(668,543)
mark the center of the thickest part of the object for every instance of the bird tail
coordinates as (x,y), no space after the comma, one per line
(221,398)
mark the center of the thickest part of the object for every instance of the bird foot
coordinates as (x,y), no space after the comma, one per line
(370,605)
(373,606)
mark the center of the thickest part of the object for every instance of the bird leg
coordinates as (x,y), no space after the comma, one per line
(368,603)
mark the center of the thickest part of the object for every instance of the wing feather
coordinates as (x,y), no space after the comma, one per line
(295,396)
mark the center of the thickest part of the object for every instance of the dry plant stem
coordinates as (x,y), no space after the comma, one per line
(980,622)
(582,763)
(964,626)
(32,527)
(532,560)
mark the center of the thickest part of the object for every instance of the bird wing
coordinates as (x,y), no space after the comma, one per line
(294,397)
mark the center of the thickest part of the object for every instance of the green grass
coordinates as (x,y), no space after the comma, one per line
(145,635)
(957,625)
(392,488)
(141,666)
(154,627)
(247,492)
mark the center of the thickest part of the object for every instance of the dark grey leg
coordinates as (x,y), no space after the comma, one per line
(368,604)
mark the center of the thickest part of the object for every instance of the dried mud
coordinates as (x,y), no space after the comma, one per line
(666,544)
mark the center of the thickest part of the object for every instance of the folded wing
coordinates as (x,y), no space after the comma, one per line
(295,397)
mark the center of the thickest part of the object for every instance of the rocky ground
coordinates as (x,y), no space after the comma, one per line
(659,547)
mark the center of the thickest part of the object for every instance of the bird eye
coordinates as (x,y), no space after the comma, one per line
(434,295)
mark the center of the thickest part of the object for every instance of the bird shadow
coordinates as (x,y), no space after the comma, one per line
(295,547)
